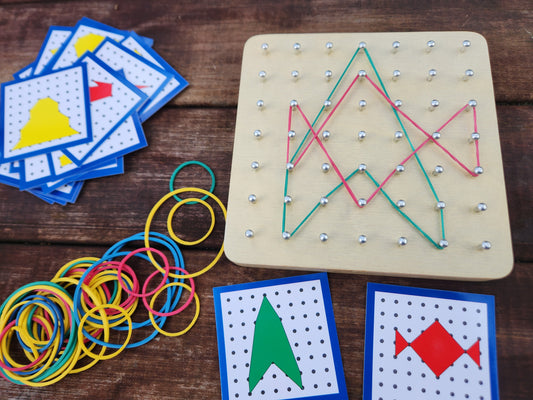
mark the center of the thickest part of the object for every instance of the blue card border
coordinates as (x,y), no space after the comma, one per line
(328,305)
(150,109)
(142,99)
(145,62)
(87,139)
(82,22)
(372,288)
(17,74)
(53,28)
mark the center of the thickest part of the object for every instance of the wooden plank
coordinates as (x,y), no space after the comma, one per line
(110,209)
(204,40)
(187,367)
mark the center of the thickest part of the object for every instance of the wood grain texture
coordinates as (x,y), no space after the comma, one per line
(204,41)
(187,367)
(180,134)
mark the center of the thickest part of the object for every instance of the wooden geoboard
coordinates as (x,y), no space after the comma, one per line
(369,153)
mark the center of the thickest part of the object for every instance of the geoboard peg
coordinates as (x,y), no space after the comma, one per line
(262,74)
(258,134)
(396,74)
(362,239)
(323,201)
(478,170)
(400,168)
(466,44)
(254,165)
(287,200)
(402,241)
(362,105)
(474,137)
(297,47)
(486,245)
(433,105)
(361,135)
(286,235)
(435,135)
(294,104)
(328,74)
(443,243)
(327,104)
(471,104)
(480,207)
(439,169)
(326,135)
(325,167)
(441,205)
(400,203)
(264,47)
(468,74)
(291,134)
(362,45)
(329,47)
(362,73)
(323,237)
(260,104)
(362,202)
(430,45)
(249,233)
(432,73)
(395,46)
(295,75)
(398,103)
(252,198)
(361,167)
(398,135)
(289,166)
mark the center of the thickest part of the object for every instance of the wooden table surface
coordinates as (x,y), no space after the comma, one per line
(204,40)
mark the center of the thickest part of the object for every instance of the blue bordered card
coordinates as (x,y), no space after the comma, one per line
(429,344)
(277,340)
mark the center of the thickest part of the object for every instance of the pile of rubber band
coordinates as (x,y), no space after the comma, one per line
(63,326)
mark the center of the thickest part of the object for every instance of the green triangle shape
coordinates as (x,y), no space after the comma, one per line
(271,346)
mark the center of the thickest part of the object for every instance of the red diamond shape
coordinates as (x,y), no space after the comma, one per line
(437,348)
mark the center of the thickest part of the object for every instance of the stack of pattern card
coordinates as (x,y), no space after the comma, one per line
(76,111)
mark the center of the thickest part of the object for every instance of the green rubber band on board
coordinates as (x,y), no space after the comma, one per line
(193,162)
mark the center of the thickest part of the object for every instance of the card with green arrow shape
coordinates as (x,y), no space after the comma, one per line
(277,339)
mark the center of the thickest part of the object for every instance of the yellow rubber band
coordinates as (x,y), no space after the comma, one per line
(106,326)
(151,217)
(195,318)
(171,216)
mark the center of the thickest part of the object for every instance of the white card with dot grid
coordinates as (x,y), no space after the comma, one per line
(59,101)
(107,113)
(369,153)
(86,36)
(304,307)
(455,356)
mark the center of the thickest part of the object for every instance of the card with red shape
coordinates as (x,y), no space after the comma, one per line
(429,344)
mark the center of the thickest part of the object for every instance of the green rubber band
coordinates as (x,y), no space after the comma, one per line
(177,170)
